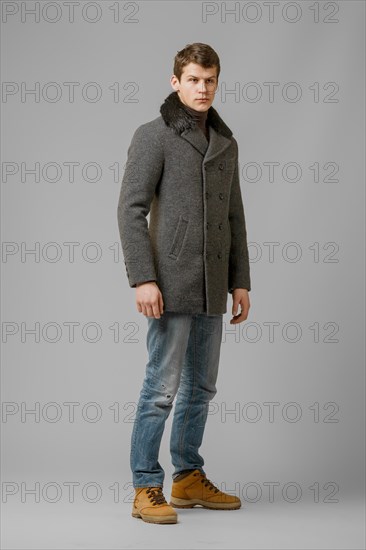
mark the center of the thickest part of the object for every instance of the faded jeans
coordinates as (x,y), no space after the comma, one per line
(184,352)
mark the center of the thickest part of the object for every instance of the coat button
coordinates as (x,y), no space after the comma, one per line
(221,166)
(220,225)
(221,195)
(219,255)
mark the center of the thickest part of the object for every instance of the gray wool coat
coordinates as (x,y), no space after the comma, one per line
(195,244)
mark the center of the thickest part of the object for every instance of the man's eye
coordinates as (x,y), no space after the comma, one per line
(209,80)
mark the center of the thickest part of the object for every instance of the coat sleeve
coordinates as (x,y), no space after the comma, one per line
(142,173)
(239,268)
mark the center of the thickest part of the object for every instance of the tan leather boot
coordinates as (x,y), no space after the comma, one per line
(150,505)
(194,488)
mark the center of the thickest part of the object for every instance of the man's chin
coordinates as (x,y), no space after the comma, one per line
(202,105)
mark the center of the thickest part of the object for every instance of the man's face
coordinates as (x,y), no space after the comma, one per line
(196,84)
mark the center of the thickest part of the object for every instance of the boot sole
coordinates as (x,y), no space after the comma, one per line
(183,503)
(149,519)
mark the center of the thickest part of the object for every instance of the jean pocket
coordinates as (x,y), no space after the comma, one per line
(178,239)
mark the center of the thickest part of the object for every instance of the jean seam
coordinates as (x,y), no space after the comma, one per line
(192,396)
(139,486)
(157,351)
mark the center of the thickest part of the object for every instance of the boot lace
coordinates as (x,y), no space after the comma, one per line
(156,495)
(207,482)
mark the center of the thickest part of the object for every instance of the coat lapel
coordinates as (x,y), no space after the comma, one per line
(182,123)
(196,138)
(217,144)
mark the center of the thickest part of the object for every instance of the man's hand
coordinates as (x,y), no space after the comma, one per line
(240,296)
(149,299)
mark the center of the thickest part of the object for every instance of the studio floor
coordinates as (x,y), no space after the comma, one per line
(277,525)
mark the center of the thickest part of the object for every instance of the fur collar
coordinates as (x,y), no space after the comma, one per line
(176,117)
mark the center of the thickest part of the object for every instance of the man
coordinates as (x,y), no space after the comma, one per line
(182,168)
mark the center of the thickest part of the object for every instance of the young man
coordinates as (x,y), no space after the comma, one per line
(182,168)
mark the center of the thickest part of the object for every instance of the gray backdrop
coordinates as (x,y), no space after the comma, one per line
(286,428)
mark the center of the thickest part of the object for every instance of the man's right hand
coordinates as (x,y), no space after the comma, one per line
(149,299)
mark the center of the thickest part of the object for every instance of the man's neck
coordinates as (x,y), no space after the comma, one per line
(200,118)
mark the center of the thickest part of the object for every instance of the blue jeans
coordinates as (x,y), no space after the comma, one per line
(184,352)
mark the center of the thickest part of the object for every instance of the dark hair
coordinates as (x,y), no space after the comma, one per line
(199,53)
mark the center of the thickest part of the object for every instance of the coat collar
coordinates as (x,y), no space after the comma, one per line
(175,116)
(183,124)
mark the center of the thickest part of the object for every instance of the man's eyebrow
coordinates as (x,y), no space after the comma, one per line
(212,76)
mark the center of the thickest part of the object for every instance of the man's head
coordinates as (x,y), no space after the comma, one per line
(196,75)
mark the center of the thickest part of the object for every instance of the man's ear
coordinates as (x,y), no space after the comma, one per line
(174,81)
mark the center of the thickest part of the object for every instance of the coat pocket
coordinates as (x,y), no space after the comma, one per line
(179,235)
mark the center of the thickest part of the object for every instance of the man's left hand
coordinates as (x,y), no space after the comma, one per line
(240,297)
